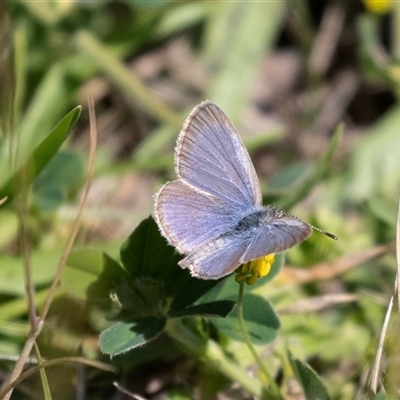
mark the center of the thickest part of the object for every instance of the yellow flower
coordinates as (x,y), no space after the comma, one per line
(255,269)
(378,6)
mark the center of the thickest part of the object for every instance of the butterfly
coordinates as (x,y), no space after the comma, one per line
(213,212)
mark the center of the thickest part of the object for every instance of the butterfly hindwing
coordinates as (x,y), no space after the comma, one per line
(215,258)
(276,236)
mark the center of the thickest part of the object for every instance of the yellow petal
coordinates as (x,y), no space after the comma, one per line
(378,6)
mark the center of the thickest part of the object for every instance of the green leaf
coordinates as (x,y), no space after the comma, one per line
(384,209)
(63,171)
(147,254)
(129,84)
(368,32)
(192,291)
(261,321)
(182,17)
(375,166)
(288,179)
(179,394)
(321,169)
(50,198)
(44,264)
(122,337)
(163,349)
(40,156)
(313,388)
(48,100)
(219,308)
(43,377)
(140,298)
(234,51)
(92,274)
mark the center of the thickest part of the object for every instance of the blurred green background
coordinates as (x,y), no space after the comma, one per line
(287,73)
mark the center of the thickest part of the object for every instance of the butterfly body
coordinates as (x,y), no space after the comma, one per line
(213,212)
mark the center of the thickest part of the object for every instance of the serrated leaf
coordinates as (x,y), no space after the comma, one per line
(261,321)
(313,388)
(219,308)
(122,337)
(40,156)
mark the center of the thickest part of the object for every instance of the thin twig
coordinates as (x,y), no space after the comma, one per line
(127,392)
(8,386)
(397,285)
(318,303)
(59,361)
(376,368)
(76,224)
(26,252)
(329,270)
(378,358)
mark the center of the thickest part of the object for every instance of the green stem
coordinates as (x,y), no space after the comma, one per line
(246,338)
(212,354)
(127,82)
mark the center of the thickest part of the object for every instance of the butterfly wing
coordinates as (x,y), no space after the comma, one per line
(211,156)
(216,258)
(276,236)
(208,212)
(188,217)
(265,232)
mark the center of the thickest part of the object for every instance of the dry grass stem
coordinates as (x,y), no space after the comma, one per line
(9,384)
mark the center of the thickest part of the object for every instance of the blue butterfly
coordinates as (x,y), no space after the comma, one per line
(213,212)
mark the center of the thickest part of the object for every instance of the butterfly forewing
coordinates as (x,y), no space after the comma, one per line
(210,155)
(188,217)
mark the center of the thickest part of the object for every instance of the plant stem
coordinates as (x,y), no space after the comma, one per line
(36,328)
(246,338)
(212,354)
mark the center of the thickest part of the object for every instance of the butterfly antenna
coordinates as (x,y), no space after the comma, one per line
(331,235)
